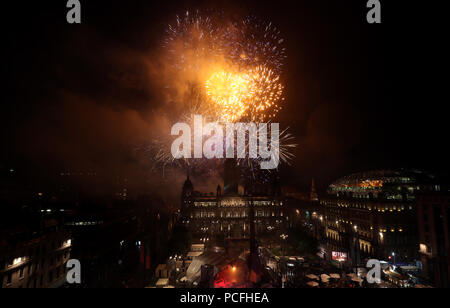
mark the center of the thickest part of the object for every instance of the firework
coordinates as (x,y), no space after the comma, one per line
(254,95)
(192,40)
(235,69)
(229,93)
(251,42)
(283,146)
(265,94)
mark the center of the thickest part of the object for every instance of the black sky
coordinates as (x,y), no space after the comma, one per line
(358,96)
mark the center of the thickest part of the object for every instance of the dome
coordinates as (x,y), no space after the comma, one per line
(391,184)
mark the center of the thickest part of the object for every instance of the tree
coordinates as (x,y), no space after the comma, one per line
(301,242)
(181,239)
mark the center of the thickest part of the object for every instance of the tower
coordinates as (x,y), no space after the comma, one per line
(186,194)
(219,191)
(254,263)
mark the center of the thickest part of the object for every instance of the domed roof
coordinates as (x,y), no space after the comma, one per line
(382,181)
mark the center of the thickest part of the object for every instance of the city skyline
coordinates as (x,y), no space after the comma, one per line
(217,144)
(343,105)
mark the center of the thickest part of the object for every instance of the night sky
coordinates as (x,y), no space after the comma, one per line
(358,96)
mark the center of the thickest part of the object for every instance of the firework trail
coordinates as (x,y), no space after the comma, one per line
(191,40)
(253,96)
(228,92)
(284,146)
(237,67)
(265,94)
(252,42)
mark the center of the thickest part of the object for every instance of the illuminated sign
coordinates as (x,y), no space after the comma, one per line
(339,256)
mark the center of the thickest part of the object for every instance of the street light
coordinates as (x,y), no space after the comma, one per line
(393,254)
(283,237)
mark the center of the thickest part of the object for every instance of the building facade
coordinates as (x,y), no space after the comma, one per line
(434,236)
(35,262)
(227,212)
(373,215)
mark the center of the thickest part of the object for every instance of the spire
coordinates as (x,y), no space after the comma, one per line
(219,191)
(188,187)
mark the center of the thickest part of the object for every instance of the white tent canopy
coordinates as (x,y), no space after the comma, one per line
(357,279)
(335,276)
(210,258)
(312,276)
(194,254)
(313,284)
(162,282)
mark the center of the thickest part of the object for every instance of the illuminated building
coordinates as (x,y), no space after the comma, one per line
(434,237)
(373,214)
(227,213)
(35,261)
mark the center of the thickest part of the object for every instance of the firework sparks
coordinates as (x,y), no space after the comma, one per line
(283,146)
(235,69)
(252,42)
(254,95)
(192,40)
(228,91)
(265,94)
